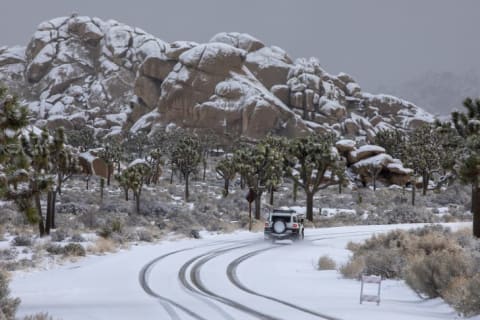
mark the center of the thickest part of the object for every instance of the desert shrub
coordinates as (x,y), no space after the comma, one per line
(89,219)
(8,254)
(73,207)
(58,236)
(74,250)
(55,249)
(144,235)
(22,241)
(111,227)
(8,305)
(384,262)
(326,263)
(464,295)
(434,262)
(403,213)
(38,316)
(102,246)
(353,268)
(431,274)
(77,238)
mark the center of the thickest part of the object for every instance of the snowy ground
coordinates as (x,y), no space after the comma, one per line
(234,276)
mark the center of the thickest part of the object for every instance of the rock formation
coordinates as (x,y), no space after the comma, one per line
(80,71)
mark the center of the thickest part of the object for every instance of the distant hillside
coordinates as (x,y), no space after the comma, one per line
(439,92)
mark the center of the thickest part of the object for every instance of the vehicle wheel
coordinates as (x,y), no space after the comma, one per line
(279,226)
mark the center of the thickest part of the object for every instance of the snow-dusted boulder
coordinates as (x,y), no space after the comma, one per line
(345,145)
(242,41)
(216,58)
(270,65)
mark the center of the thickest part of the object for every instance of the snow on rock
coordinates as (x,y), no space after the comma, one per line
(365,152)
(242,41)
(345,145)
(379,160)
(99,67)
(216,58)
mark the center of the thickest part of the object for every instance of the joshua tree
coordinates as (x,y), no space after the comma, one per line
(424,149)
(186,157)
(63,165)
(260,166)
(133,178)
(467,126)
(227,169)
(308,161)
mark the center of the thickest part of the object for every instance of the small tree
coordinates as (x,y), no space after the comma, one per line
(155,162)
(393,141)
(308,161)
(133,178)
(226,169)
(260,166)
(186,157)
(467,126)
(423,153)
(63,165)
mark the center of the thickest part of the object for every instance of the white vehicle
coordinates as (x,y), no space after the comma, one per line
(284,224)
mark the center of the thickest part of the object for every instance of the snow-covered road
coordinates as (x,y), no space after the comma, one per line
(234,276)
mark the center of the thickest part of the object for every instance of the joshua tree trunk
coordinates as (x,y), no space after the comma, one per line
(187,192)
(271,195)
(137,202)
(295,191)
(226,187)
(41,226)
(413,193)
(476,210)
(425,179)
(48,220)
(309,205)
(109,174)
(258,204)
(54,200)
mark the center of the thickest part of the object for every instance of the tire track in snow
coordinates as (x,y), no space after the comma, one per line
(232,276)
(183,278)
(197,282)
(164,301)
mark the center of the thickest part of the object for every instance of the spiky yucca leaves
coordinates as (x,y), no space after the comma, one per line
(186,157)
(226,169)
(308,160)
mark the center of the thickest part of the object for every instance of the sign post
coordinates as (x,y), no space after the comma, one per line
(371,297)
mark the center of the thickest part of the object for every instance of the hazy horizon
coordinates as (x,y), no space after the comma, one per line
(381,43)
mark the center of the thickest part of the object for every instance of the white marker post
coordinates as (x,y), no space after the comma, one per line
(370,297)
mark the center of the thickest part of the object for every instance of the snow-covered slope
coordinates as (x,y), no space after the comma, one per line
(80,71)
(236,276)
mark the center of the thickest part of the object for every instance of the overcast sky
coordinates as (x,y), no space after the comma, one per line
(379,42)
